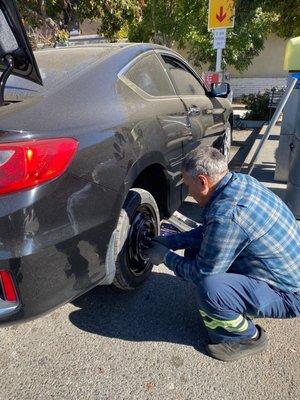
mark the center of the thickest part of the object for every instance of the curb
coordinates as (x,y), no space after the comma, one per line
(240,123)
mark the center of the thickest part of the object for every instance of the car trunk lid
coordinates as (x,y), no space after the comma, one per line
(16,56)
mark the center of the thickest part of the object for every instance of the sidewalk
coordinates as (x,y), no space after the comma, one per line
(264,170)
(265,167)
(239,110)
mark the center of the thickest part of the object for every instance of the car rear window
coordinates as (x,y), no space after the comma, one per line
(149,75)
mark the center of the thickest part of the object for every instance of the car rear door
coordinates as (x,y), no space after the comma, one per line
(205,115)
(160,115)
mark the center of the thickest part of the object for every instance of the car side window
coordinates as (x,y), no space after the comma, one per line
(149,75)
(185,81)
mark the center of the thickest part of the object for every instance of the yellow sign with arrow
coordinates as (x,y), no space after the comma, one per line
(221,14)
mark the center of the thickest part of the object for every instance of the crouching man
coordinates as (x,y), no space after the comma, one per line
(244,259)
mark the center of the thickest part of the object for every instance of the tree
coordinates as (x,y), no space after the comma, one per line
(288,12)
(55,14)
(185,22)
(113,14)
(34,12)
(47,21)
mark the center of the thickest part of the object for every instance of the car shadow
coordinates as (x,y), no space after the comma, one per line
(164,309)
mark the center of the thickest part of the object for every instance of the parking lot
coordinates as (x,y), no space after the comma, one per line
(147,344)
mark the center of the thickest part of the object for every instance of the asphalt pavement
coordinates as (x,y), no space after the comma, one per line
(144,344)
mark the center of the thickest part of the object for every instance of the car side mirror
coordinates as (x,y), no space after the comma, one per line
(221,89)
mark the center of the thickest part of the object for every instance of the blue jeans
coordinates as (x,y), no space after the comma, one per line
(227,302)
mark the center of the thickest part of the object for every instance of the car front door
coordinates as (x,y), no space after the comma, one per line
(205,115)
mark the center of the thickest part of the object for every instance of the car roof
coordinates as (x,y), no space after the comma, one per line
(63,63)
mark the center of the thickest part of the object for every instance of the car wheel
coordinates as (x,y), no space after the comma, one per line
(139,220)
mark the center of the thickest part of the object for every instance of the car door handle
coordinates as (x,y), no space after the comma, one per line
(193,111)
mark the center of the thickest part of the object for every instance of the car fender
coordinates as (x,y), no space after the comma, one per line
(151,158)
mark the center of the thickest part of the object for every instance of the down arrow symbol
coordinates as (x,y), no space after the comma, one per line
(221,16)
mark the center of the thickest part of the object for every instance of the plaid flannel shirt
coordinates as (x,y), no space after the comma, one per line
(247,230)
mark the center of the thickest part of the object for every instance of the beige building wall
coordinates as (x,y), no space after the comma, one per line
(265,72)
(269,63)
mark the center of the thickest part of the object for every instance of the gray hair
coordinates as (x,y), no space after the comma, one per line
(205,161)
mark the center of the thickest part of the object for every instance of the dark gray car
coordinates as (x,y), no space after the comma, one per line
(90,162)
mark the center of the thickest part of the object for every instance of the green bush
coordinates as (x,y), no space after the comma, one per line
(258,105)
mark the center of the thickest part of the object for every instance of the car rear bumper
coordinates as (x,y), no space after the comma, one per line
(54,240)
(56,274)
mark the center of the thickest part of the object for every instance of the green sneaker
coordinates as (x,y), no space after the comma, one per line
(235,350)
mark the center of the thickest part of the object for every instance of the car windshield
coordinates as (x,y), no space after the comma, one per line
(56,65)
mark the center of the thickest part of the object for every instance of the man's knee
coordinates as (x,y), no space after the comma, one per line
(213,290)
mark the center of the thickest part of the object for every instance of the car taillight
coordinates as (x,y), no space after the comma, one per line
(8,288)
(25,165)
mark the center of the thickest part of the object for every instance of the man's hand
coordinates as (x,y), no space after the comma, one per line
(160,239)
(156,252)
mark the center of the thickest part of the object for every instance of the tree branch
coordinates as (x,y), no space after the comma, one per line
(40,19)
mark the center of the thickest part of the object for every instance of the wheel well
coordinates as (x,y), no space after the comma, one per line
(153,179)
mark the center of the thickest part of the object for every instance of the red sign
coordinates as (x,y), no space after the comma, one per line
(211,77)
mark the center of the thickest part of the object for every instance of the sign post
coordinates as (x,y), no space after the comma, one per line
(219,44)
(220,17)
(219,60)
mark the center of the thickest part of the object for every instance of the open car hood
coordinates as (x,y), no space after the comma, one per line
(14,42)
